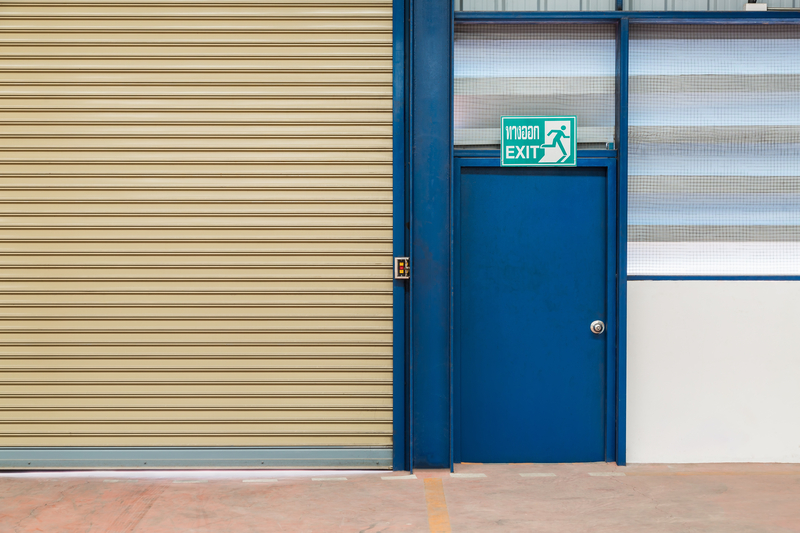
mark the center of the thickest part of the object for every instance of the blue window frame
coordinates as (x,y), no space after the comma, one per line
(424,160)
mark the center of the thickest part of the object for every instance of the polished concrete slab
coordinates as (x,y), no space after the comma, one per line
(547,498)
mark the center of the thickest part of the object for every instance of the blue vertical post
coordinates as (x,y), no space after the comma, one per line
(623,47)
(452,208)
(611,314)
(409,66)
(399,237)
(431,22)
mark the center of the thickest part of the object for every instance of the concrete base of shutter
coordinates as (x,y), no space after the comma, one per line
(87,458)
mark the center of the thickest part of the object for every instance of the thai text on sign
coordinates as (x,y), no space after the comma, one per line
(538,141)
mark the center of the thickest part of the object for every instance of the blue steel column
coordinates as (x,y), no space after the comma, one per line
(623,47)
(431,22)
(399,236)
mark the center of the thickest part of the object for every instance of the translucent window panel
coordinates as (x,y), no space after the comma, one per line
(535,5)
(610,5)
(714,150)
(699,5)
(533,70)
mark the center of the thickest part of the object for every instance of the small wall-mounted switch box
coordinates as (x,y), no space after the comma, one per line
(401,267)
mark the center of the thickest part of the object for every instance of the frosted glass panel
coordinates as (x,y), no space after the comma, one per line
(609,5)
(699,5)
(533,69)
(714,150)
(535,5)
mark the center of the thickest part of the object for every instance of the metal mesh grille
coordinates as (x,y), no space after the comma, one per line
(610,5)
(535,5)
(714,156)
(699,5)
(530,70)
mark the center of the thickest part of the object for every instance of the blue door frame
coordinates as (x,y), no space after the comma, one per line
(605,159)
(423,163)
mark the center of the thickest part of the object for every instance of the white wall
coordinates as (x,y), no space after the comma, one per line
(713,371)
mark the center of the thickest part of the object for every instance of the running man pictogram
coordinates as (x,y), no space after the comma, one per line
(559,134)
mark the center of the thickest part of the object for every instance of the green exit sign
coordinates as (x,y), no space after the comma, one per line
(538,141)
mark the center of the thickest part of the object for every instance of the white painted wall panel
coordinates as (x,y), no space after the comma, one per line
(713,371)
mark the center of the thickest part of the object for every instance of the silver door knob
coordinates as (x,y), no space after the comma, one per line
(597,327)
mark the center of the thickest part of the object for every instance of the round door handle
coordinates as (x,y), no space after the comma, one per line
(597,327)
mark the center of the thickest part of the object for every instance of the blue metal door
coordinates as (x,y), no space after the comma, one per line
(531,276)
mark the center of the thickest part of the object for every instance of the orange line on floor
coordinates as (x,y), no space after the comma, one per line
(438,518)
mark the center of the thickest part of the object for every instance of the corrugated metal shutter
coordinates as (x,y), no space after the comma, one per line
(195,244)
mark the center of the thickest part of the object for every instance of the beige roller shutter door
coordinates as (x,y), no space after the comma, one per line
(195,243)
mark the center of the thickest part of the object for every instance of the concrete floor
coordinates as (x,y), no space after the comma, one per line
(745,498)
